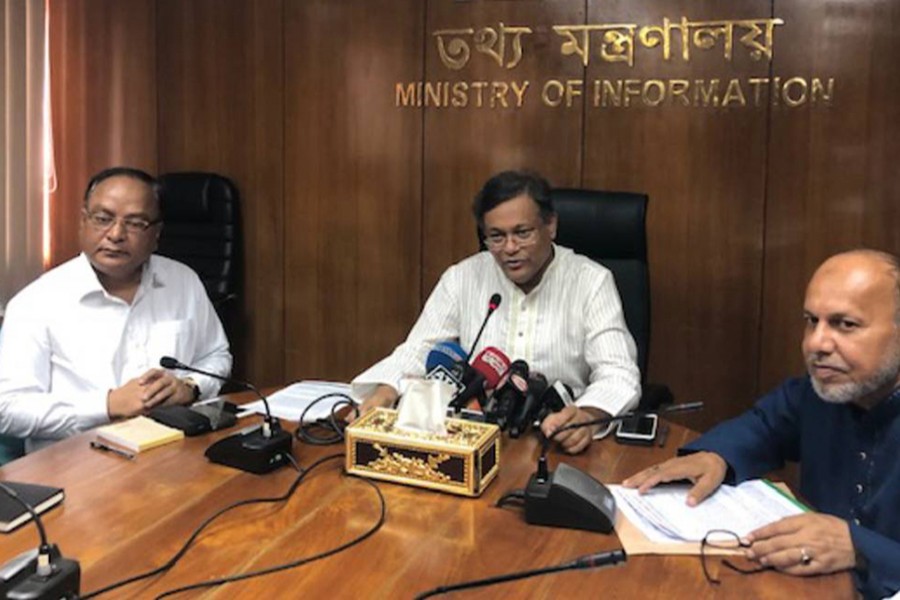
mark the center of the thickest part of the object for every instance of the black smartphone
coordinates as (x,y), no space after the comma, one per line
(639,429)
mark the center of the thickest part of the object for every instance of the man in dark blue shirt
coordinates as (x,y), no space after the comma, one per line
(842,422)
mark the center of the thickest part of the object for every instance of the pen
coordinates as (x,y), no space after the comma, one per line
(104,448)
(663,434)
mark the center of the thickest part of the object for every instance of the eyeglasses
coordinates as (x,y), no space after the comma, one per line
(102,221)
(523,236)
(724,539)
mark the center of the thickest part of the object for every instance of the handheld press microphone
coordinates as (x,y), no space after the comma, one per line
(509,397)
(39,575)
(493,303)
(482,377)
(531,407)
(255,450)
(445,362)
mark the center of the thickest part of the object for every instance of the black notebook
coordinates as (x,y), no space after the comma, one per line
(41,497)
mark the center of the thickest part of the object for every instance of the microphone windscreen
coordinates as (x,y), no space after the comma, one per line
(558,396)
(493,364)
(167,362)
(445,354)
(494,302)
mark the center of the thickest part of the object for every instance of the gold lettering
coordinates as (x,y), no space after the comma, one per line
(618,46)
(819,91)
(749,39)
(706,93)
(660,91)
(707,33)
(432,94)
(554,87)
(499,90)
(479,86)
(612,91)
(678,88)
(519,92)
(573,89)
(734,93)
(786,94)
(776,86)
(489,42)
(757,83)
(571,46)
(460,97)
(632,88)
(652,36)
(455,54)
(404,95)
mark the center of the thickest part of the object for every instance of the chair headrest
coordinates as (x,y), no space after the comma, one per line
(198,197)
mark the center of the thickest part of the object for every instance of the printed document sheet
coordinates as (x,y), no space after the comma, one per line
(663,516)
(290,402)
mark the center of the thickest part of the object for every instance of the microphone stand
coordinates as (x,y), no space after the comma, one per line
(39,575)
(259,449)
(570,497)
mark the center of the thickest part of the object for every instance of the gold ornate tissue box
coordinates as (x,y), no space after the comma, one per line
(463,462)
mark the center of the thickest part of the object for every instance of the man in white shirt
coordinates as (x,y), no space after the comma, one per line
(80,346)
(560,312)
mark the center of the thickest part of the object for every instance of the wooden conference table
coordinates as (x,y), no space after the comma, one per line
(123,517)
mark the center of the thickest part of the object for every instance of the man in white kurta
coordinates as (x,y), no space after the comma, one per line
(560,312)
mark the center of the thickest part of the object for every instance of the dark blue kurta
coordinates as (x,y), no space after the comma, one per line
(849,466)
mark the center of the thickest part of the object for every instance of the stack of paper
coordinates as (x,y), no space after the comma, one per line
(663,515)
(290,402)
(139,434)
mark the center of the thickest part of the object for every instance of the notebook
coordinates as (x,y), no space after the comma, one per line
(139,434)
(41,498)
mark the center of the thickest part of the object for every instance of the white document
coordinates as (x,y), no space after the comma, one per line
(290,402)
(663,515)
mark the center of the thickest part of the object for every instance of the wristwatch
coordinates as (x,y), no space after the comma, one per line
(194,386)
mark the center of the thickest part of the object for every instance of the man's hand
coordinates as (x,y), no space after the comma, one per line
(161,387)
(126,401)
(574,440)
(706,470)
(384,396)
(807,544)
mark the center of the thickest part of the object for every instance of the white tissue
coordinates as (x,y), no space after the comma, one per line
(423,405)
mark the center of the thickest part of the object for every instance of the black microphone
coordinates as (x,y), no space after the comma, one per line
(41,575)
(493,303)
(537,387)
(257,449)
(508,398)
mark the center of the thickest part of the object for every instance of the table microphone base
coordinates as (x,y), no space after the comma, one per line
(251,451)
(570,498)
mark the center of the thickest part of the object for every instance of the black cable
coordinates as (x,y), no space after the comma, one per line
(587,561)
(518,495)
(333,426)
(183,550)
(293,564)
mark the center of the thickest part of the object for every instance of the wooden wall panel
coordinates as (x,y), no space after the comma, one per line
(352,183)
(834,184)
(103,89)
(465,146)
(221,109)
(704,170)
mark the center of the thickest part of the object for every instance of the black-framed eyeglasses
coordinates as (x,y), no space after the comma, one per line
(523,236)
(723,539)
(102,221)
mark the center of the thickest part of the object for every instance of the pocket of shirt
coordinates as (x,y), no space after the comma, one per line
(170,338)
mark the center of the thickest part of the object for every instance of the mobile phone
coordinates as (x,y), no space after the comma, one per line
(639,429)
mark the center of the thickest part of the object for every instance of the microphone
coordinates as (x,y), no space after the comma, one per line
(537,388)
(557,397)
(484,375)
(255,450)
(570,497)
(493,303)
(40,575)
(510,395)
(445,362)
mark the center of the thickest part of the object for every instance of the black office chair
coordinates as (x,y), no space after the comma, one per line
(202,230)
(610,228)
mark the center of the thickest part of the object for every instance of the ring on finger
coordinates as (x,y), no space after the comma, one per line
(805,558)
